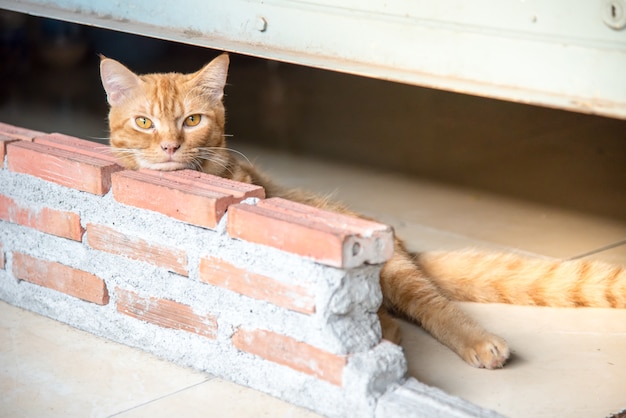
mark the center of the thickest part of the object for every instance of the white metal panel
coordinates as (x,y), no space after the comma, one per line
(550,53)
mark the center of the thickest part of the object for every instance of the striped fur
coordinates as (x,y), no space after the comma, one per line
(421,288)
(479,276)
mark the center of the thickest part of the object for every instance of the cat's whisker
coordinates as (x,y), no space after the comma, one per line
(215,151)
(196,164)
(215,161)
(211,149)
(241,154)
(212,158)
(125,152)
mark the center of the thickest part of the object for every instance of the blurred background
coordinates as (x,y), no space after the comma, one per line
(49,81)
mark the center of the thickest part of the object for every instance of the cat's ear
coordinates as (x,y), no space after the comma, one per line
(212,78)
(117,80)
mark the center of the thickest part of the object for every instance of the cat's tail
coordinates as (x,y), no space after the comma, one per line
(479,276)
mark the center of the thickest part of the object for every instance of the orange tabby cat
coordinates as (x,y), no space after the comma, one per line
(176,121)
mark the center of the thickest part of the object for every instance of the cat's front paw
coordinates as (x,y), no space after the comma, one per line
(491,352)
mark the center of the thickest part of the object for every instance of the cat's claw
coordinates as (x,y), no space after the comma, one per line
(490,353)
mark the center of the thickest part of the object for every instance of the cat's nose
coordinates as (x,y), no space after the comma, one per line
(169,147)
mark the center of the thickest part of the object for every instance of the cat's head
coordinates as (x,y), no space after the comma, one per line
(167,121)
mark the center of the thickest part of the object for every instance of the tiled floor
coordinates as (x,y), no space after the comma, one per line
(567,362)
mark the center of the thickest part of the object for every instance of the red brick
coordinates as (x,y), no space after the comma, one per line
(56,222)
(215,183)
(103,238)
(4,141)
(220,273)
(327,237)
(16,132)
(291,353)
(165,313)
(337,220)
(73,144)
(59,277)
(190,196)
(67,168)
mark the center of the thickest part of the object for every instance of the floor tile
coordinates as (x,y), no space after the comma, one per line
(51,369)
(614,255)
(218,398)
(566,362)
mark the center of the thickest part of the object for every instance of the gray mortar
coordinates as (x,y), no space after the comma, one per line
(414,399)
(344,322)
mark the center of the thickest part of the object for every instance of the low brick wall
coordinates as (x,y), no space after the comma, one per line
(207,273)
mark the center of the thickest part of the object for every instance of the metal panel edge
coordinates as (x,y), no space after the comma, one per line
(584,75)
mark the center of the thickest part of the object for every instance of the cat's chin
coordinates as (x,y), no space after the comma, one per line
(165,166)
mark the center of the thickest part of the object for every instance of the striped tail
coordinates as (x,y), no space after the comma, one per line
(479,276)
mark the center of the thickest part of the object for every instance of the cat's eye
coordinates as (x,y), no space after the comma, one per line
(143,122)
(192,120)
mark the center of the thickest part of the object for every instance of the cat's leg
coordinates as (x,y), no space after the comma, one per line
(411,293)
(389,325)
